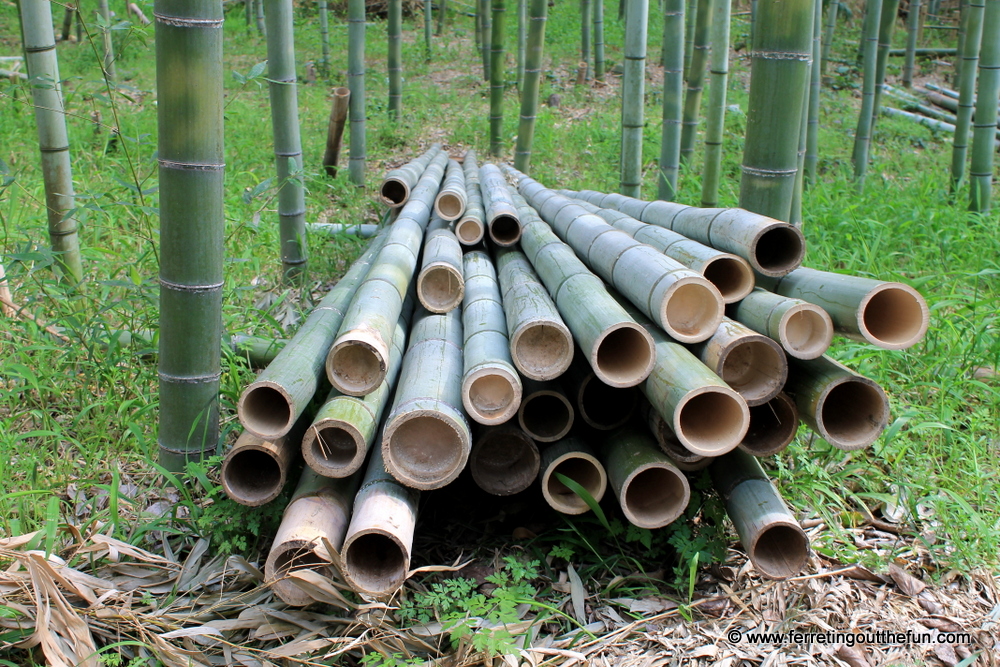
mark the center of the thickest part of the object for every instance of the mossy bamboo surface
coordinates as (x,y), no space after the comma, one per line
(254,470)
(426,441)
(890,315)
(538,12)
(107,42)
(502,219)
(498,71)
(471,227)
(716,117)
(772,247)
(600,406)
(491,388)
(356,82)
(616,347)
(779,76)
(812,117)
(398,183)
(335,129)
(731,275)
(652,492)
(575,459)
(504,460)
(53,141)
(440,285)
(773,426)
(846,409)
(862,136)
(984,129)
(316,516)
(912,30)
(272,403)
(803,329)
(358,360)
(450,201)
(776,544)
(282,83)
(753,365)
(545,413)
(598,44)
(192,224)
(633,96)
(585,18)
(673,94)
(701,47)
(375,559)
(395,56)
(831,27)
(677,298)
(324,38)
(541,345)
(887,24)
(969,69)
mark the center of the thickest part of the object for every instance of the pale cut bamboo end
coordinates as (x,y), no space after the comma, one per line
(852,413)
(778,250)
(654,495)
(604,407)
(425,449)
(394,192)
(731,275)
(375,562)
(266,410)
(253,475)
(504,461)
(805,331)
(711,421)
(546,415)
(893,316)
(772,426)
(449,206)
(505,230)
(582,468)
(691,310)
(754,367)
(291,556)
(440,287)
(491,395)
(334,448)
(470,231)
(542,350)
(623,355)
(357,363)
(780,549)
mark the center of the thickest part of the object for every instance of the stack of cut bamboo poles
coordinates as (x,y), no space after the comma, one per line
(592,342)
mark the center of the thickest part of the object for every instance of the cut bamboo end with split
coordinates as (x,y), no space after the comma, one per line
(335,129)
(504,461)
(772,426)
(573,459)
(751,364)
(255,470)
(334,447)
(545,413)
(652,492)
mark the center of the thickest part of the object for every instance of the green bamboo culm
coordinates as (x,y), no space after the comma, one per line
(247,6)
(108,43)
(967,91)
(442,12)
(779,75)
(428,22)
(585,17)
(324,38)
(487,24)
(912,29)
(53,141)
(356,82)
(395,57)
(815,81)
(522,39)
(497,71)
(831,26)
(887,23)
(963,18)
(598,39)
(190,85)
(673,93)
(633,86)
(282,87)
(981,169)
(695,77)
(716,118)
(862,136)
(261,25)
(537,14)
(795,212)
(689,17)
(479,26)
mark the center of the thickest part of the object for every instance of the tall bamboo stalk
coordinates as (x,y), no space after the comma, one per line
(598,40)
(53,140)
(287,142)
(779,74)
(696,76)
(498,71)
(862,136)
(428,22)
(395,56)
(585,17)
(795,211)
(887,24)
(261,24)
(538,12)
(716,119)
(963,20)
(67,24)
(356,82)
(967,94)
(673,93)
(981,169)
(324,38)
(442,14)
(912,29)
(522,39)
(192,224)
(689,16)
(633,97)
(831,26)
(479,25)
(487,24)
(109,47)
(815,81)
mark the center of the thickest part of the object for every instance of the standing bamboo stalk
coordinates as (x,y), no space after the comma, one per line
(815,81)
(862,136)
(689,16)
(108,43)
(887,24)
(440,285)
(335,129)
(398,183)
(545,413)
(442,14)
(912,29)
(6,303)
(633,97)
(585,17)
(831,26)
(261,24)
(696,75)
(984,129)
(522,39)
(716,120)
(795,210)
(498,70)
(395,56)
(324,38)
(969,64)
(428,22)
(598,43)
(67,24)
(504,460)
(651,491)
(673,93)
(574,459)
(772,426)
(804,330)
(471,227)
(538,12)
(53,140)
(356,82)
(502,219)
(487,24)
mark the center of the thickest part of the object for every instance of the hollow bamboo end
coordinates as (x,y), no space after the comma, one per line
(440,287)
(425,449)
(731,275)
(375,562)
(252,475)
(491,395)
(356,364)
(654,495)
(605,407)
(778,250)
(505,230)
(266,409)
(755,367)
(852,413)
(449,206)
(780,550)
(342,91)
(469,231)
(691,310)
(711,421)
(394,192)
(582,468)
(542,350)
(893,316)
(624,355)
(772,426)
(805,331)
(287,558)
(504,462)
(334,448)
(545,415)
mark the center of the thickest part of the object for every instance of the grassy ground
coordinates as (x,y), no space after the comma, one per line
(77,420)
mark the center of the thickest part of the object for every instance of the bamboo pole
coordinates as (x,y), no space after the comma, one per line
(598,46)
(53,140)
(538,12)
(696,76)
(585,18)
(912,29)
(272,403)
(846,409)
(498,71)
(600,406)
(651,491)
(969,72)
(356,82)
(862,136)
(108,44)
(376,554)
(357,362)
(450,200)
(192,222)
(491,388)
(426,441)
(804,330)
(487,23)
(574,459)
(772,247)
(754,366)
(541,345)
(680,300)
(440,285)
(428,22)
(363,231)
(324,39)
(812,120)
(471,227)
(395,56)
(67,24)
(633,96)
(479,25)
(502,219)
(315,519)
(545,413)
(504,460)
(962,27)
(442,15)
(890,315)
(887,23)
(6,301)
(831,26)
(774,541)
(716,119)
(261,24)
(772,426)
(931,123)
(335,129)
(670,444)
(689,16)
(984,128)
(255,470)
(795,210)
(673,93)
(398,183)
(522,40)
